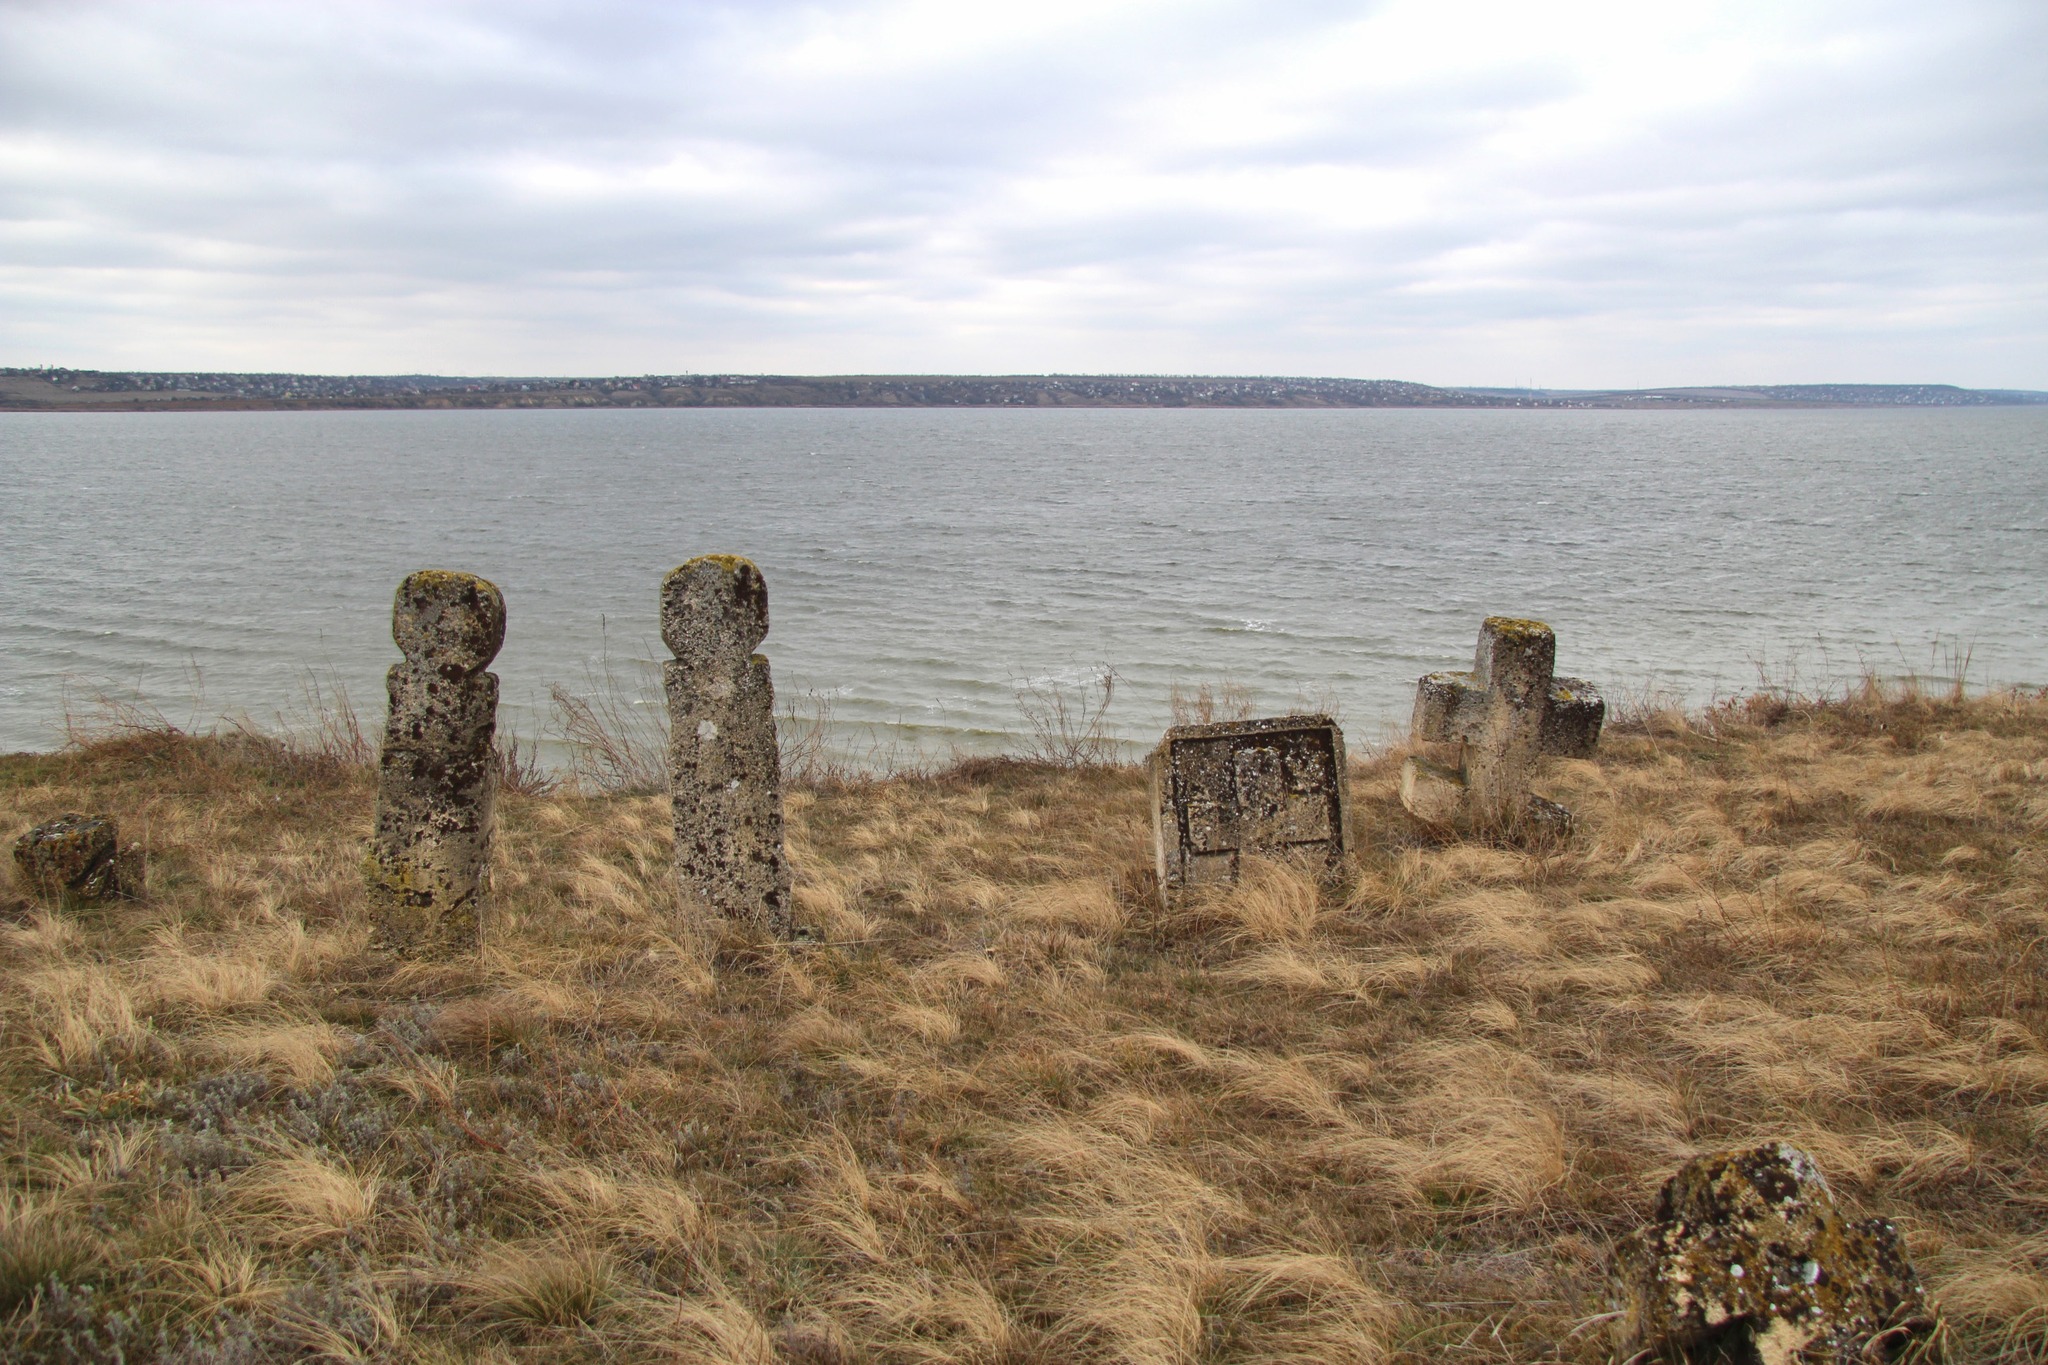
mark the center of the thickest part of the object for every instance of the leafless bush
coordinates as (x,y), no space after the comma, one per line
(1947,672)
(327,727)
(1207,703)
(614,744)
(1319,699)
(1648,707)
(801,736)
(323,731)
(95,715)
(1069,721)
(615,730)
(818,754)
(520,770)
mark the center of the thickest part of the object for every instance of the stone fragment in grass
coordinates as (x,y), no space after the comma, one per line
(1432,793)
(725,768)
(429,864)
(1223,790)
(1504,715)
(73,860)
(1749,1261)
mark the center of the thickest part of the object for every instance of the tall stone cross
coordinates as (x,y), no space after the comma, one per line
(1506,714)
(725,769)
(437,783)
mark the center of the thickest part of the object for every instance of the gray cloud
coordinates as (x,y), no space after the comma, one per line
(1588,193)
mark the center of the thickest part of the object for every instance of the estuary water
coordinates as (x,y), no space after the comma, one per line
(925,565)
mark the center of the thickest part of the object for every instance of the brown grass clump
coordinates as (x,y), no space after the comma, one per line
(1001,1107)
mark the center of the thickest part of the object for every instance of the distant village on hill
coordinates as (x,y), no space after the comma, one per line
(66,390)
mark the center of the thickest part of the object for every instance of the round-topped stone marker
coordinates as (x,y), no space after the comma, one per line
(714,610)
(447,621)
(430,854)
(725,769)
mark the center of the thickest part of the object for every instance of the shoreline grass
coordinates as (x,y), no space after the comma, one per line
(1004,1108)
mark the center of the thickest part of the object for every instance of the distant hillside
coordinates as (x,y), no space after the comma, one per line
(93,390)
(62,390)
(1776,396)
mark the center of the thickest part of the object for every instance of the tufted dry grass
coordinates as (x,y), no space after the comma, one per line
(1003,1108)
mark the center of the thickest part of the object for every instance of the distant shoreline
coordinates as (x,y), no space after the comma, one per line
(61,390)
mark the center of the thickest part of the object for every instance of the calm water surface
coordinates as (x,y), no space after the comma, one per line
(922,565)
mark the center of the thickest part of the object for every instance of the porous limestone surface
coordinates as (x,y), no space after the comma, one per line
(429,865)
(714,611)
(453,621)
(72,860)
(1572,719)
(1254,786)
(725,767)
(1748,1260)
(1505,715)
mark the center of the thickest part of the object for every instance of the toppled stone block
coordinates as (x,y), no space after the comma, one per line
(1431,792)
(437,776)
(725,766)
(74,860)
(1749,1261)
(1221,791)
(1505,715)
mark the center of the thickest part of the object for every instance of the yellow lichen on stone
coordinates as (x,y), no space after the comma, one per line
(1750,1242)
(454,621)
(445,579)
(733,565)
(1516,627)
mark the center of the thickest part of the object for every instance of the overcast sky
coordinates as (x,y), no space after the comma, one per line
(1484,192)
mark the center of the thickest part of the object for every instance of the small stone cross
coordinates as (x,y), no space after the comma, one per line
(1506,713)
(725,768)
(438,774)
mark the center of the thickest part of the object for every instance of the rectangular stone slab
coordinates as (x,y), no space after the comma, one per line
(1220,791)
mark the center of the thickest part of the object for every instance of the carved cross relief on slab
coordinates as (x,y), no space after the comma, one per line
(1220,791)
(1506,713)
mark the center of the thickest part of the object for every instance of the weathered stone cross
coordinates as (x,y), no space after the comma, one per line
(1506,713)
(437,785)
(725,769)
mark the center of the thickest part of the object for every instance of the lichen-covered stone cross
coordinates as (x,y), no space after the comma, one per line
(725,768)
(1506,713)
(438,775)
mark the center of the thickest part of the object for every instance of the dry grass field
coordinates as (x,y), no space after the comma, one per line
(1002,1108)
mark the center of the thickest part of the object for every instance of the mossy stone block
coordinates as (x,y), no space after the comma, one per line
(72,860)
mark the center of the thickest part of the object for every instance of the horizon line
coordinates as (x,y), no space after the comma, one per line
(1219,376)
